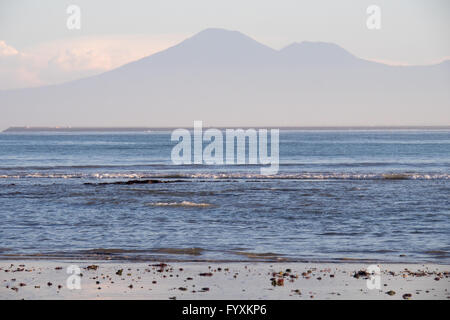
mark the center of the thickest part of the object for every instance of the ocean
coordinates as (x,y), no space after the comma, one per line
(339,195)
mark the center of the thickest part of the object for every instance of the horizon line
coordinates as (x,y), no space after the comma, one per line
(20,129)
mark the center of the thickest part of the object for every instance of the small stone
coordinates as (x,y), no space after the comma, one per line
(407,296)
(360,273)
(390,292)
(92,267)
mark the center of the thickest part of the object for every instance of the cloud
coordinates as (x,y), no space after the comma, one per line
(69,59)
(17,69)
(6,50)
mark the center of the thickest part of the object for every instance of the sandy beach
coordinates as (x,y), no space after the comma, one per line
(43,279)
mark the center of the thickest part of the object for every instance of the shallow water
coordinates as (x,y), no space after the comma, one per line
(344,194)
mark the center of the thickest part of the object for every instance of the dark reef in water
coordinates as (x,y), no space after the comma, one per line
(147,181)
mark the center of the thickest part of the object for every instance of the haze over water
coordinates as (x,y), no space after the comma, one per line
(345,194)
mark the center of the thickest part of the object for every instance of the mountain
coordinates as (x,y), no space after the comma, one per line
(317,54)
(228,79)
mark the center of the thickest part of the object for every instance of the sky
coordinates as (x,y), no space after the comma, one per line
(37,48)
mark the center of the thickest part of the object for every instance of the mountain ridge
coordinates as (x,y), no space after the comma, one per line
(212,33)
(228,79)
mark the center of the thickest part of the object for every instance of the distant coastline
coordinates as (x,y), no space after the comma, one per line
(145,129)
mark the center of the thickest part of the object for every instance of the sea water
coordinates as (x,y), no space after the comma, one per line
(339,195)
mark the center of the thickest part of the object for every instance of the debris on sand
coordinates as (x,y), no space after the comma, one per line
(407,296)
(361,273)
(390,292)
(92,267)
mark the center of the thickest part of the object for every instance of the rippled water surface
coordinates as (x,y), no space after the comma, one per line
(344,194)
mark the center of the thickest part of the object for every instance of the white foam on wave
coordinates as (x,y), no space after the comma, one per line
(219,176)
(179,204)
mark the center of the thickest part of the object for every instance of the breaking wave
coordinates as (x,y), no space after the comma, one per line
(179,204)
(218,176)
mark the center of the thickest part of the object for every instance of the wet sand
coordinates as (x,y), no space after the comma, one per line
(43,279)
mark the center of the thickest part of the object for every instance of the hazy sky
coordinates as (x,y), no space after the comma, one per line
(37,48)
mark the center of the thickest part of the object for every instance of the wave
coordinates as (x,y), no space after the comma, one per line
(256,255)
(184,251)
(105,251)
(235,175)
(179,204)
(167,165)
(93,166)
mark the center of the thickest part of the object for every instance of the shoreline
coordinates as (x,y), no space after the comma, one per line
(178,260)
(110,279)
